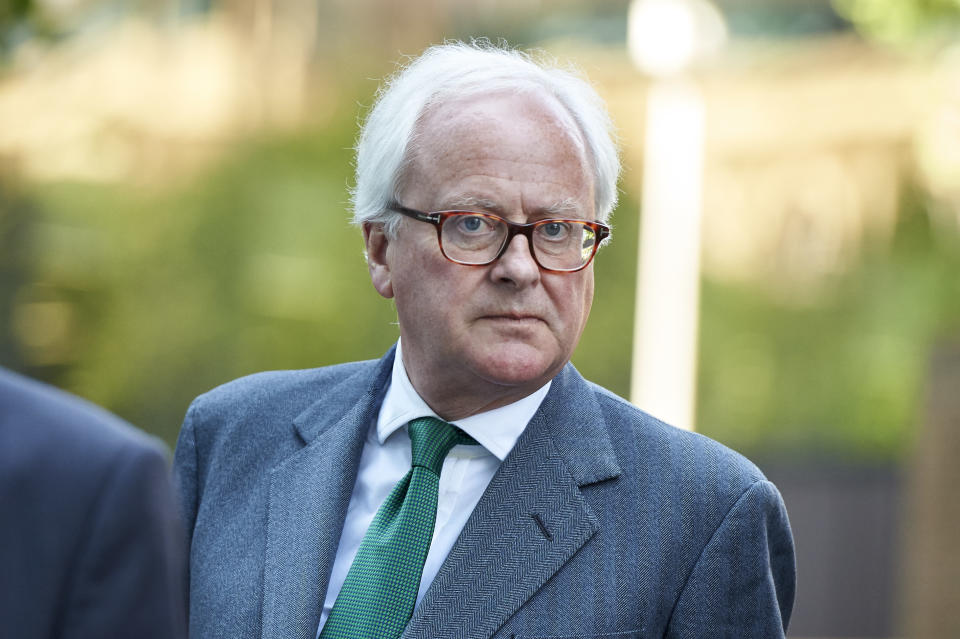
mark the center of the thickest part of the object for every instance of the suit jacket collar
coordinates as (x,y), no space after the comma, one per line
(361,391)
(572,418)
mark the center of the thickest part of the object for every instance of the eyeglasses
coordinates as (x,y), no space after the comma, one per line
(476,239)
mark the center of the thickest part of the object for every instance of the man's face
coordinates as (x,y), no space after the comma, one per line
(477,337)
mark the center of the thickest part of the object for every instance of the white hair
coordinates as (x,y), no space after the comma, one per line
(459,69)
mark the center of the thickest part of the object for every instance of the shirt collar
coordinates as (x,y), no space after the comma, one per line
(496,430)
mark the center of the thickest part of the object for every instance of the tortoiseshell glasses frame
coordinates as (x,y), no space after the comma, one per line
(476,239)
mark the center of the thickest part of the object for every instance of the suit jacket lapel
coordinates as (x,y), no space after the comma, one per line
(309,495)
(529,522)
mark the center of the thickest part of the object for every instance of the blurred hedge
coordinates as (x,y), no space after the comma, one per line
(842,377)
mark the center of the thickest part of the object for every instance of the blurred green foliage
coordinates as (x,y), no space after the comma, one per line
(253,266)
(902,21)
(843,377)
(21,21)
(16,218)
(13,15)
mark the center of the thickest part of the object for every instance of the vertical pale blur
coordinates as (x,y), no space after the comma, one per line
(665,37)
(668,285)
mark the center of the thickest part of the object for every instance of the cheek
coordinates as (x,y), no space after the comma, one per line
(574,299)
(588,296)
(410,264)
(429,291)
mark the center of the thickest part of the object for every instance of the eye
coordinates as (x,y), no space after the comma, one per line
(554,231)
(473,224)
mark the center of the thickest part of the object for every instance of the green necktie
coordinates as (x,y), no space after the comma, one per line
(380,591)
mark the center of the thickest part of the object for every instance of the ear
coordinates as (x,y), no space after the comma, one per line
(376,241)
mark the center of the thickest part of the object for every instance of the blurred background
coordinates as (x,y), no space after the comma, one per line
(174,181)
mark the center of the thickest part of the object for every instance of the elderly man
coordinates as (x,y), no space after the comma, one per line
(470,483)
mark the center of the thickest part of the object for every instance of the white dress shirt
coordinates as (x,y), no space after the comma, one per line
(386,458)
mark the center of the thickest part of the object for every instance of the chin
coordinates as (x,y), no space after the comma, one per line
(520,365)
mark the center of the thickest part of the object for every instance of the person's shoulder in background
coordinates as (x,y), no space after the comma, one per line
(90,545)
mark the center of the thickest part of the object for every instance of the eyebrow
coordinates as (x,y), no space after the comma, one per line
(567,205)
(473,201)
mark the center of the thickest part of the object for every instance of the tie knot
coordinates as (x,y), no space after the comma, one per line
(431,439)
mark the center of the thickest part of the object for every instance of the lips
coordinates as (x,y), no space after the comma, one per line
(514,317)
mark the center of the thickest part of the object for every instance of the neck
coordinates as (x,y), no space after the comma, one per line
(453,399)
(461,406)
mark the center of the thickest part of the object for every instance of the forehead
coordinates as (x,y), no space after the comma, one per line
(518,151)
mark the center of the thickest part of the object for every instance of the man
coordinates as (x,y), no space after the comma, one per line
(480,177)
(90,541)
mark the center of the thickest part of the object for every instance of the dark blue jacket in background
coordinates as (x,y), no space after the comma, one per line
(90,543)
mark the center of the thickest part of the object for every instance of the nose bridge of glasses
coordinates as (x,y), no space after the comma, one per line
(513,230)
(518,261)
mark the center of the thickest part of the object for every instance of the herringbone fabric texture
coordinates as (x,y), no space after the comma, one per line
(380,591)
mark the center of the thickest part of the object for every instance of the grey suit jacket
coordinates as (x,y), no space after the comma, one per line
(648,531)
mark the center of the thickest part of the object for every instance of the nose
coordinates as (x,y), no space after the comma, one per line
(516,266)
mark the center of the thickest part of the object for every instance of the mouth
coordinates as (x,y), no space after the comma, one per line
(517,318)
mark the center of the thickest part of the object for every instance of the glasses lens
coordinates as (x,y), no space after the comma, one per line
(563,245)
(472,238)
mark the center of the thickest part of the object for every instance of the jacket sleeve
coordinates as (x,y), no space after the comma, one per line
(185,472)
(128,576)
(742,586)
